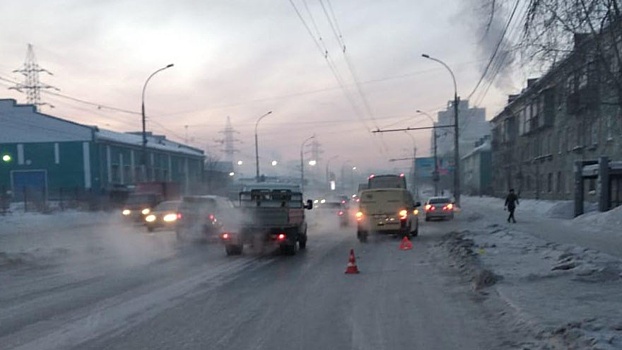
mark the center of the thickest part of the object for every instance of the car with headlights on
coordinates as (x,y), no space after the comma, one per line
(205,217)
(139,205)
(163,215)
(439,208)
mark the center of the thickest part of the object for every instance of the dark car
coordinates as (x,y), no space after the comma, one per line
(204,217)
(139,205)
(164,215)
(329,211)
(439,207)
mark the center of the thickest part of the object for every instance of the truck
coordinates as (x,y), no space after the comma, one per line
(269,218)
(146,195)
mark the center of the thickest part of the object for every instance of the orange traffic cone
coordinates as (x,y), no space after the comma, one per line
(406,244)
(352,263)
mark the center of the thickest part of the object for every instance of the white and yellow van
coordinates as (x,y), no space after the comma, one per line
(387,211)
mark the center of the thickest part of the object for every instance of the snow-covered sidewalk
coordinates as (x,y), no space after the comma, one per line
(561,278)
(34,239)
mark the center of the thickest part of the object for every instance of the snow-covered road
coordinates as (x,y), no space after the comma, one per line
(89,280)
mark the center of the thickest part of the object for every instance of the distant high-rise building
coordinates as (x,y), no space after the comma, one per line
(472,124)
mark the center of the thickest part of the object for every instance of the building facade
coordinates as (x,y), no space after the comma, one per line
(46,157)
(570,114)
(473,126)
(476,169)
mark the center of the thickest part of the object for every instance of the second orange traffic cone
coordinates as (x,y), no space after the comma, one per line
(352,268)
(406,244)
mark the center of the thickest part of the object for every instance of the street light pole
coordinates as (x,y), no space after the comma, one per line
(435,175)
(456,140)
(257,146)
(302,164)
(144,133)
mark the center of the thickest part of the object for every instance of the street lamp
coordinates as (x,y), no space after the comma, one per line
(435,175)
(144,155)
(456,143)
(257,146)
(302,163)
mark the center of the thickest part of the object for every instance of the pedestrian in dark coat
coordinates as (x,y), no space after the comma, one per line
(511,201)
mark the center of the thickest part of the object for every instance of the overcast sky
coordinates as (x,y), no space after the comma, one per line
(244,58)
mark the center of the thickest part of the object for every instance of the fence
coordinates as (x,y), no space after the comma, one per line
(28,199)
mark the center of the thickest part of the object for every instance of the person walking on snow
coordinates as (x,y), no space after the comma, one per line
(511,201)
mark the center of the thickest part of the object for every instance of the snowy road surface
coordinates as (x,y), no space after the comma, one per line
(114,286)
(90,281)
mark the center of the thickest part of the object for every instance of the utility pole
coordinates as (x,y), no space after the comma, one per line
(456,150)
(435,175)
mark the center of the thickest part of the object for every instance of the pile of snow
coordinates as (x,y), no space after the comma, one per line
(562,294)
(608,219)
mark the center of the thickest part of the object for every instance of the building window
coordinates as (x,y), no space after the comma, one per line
(609,126)
(559,184)
(127,174)
(549,183)
(116,175)
(138,174)
(592,186)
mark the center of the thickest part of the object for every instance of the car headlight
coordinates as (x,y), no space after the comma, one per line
(416,211)
(126,212)
(150,218)
(170,217)
(146,211)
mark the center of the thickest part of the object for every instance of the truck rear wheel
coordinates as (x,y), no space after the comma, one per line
(289,249)
(302,243)
(233,249)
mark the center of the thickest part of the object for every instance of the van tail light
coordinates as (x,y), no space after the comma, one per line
(359,216)
(403,214)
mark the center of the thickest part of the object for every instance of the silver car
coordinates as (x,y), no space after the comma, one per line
(439,207)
